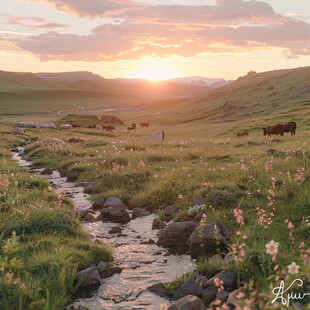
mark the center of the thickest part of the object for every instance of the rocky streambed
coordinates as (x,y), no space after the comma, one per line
(143,262)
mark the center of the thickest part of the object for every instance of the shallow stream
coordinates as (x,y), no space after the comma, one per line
(144,264)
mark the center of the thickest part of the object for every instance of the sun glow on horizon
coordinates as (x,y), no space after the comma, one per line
(155,71)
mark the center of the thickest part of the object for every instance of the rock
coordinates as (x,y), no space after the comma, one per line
(271,151)
(209,295)
(199,201)
(157,224)
(74,140)
(113,202)
(47,171)
(63,173)
(205,234)
(171,211)
(110,271)
(189,287)
(188,302)
(222,295)
(91,218)
(126,198)
(88,277)
(91,188)
(138,212)
(199,216)
(150,241)
(297,306)
(157,137)
(228,277)
(202,281)
(175,235)
(115,230)
(101,265)
(180,217)
(81,213)
(72,177)
(218,258)
(98,204)
(227,107)
(111,119)
(229,257)
(157,289)
(115,214)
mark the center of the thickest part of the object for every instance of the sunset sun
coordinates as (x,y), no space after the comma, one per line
(155,71)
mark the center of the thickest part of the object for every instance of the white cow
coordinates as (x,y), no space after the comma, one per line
(65,126)
(51,126)
(17,131)
(18,124)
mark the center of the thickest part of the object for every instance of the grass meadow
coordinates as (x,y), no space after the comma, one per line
(260,197)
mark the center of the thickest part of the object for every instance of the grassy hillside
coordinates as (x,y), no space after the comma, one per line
(267,98)
(28,93)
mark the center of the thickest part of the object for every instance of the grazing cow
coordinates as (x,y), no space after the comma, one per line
(18,124)
(65,126)
(51,126)
(273,130)
(110,128)
(144,125)
(104,127)
(131,128)
(134,126)
(290,127)
(17,131)
(242,134)
(91,126)
(75,126)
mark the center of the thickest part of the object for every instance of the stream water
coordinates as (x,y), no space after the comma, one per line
(144,264)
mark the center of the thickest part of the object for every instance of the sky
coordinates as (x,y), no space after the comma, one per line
(154,39)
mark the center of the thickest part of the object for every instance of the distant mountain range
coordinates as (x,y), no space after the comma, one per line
(201,81)
(89,76)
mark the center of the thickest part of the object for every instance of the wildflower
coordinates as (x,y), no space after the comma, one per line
(181,196)
(163,307)
(155,176)
(272,247)
(240,295)
(293,268)
(219,284)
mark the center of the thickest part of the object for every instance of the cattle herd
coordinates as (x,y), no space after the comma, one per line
(19,131)
(280,129)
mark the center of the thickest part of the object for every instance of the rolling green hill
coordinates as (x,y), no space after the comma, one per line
(28,93)
(266,98)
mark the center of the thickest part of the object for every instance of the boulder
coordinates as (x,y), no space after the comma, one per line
(209,295)
(189,287)
(138,212)
(222,295)
(158,289)
(188,302)
(98,204)
(171,211)
(90,218)
(228,277)
(113,202)
(47,171)
(175,235)
(115,214)
(157,137)
(91,188)
(72,177)
(81,213)
(206,235)
(199,216)
(101,265)
(200,200)
(88,277)
(180,217)
(17,131)
(110,271)
(115,230)
(63,173)
(157,224)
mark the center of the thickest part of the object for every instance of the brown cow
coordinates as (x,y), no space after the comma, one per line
(290,127)
(110,128)
(273,130)
(134,125)
(242,134)
(144,125)
(131,128)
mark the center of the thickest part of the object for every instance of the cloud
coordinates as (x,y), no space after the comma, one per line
(91,8)
(165,30)
(31,22)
